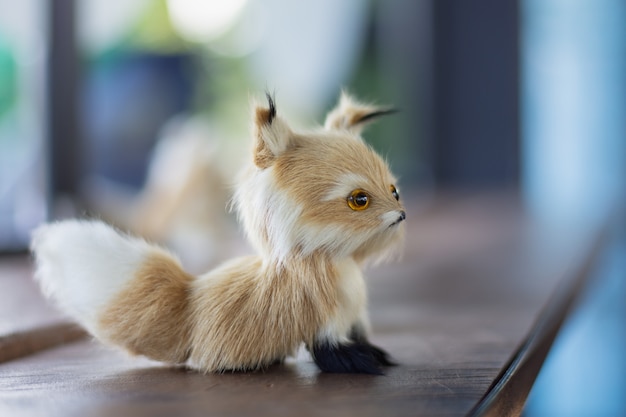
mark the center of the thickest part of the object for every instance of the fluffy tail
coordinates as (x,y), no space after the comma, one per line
(121,289)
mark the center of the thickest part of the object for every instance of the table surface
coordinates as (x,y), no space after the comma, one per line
(468,313)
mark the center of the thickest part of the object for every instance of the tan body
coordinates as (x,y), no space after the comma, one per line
(244,315)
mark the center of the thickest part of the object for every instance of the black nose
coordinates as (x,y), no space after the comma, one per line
(402,216)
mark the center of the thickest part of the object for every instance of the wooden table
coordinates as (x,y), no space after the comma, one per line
(469,313)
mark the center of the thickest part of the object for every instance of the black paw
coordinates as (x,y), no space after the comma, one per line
(382,357)
(353,357)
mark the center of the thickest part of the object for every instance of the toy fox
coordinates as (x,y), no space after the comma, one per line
(316,206)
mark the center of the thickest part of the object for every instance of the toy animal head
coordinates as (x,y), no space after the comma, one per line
(322,192)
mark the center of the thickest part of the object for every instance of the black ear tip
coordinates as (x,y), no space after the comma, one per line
(374,115)
(272,107)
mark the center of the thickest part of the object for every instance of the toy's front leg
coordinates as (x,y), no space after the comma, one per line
(341,345)
(350,354)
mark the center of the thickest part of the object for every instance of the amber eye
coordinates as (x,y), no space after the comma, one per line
(394,192)
(358,200)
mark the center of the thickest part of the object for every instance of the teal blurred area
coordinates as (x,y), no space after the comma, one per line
(22,194)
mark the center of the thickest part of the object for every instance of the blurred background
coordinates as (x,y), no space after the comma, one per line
(137,111)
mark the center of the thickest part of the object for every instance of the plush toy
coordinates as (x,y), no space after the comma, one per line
(316,206)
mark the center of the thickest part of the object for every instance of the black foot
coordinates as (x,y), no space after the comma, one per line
(348,358)
(382,357)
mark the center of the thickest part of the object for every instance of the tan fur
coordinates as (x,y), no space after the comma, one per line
(248,315)
(305,174)
(151,316)
(349,115)
(263,156)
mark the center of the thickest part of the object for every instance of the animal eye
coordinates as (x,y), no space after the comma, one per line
(394,192)
(358,200)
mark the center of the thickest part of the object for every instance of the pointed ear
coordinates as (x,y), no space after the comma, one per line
(353,116)
(271,134)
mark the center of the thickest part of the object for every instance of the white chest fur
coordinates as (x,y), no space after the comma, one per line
(352,297)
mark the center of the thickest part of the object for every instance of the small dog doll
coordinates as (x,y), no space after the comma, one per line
(316,206)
